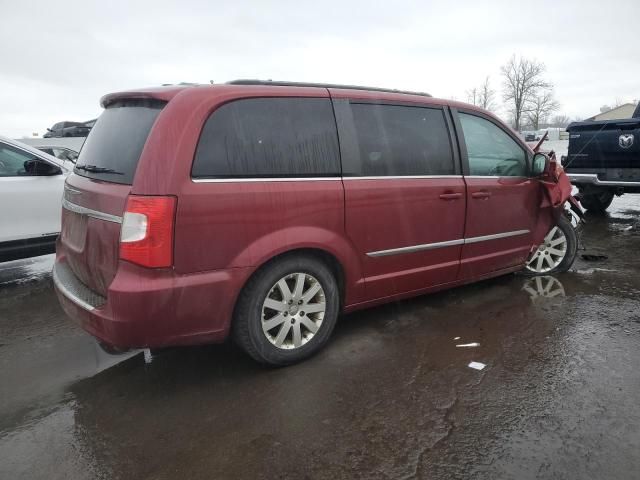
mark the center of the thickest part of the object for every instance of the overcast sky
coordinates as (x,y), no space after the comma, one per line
(59,57)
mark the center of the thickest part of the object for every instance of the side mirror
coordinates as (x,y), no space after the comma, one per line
(540,164)
(39,168)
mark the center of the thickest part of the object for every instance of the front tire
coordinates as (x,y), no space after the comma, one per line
(597,201)
(287,310)
(557,252)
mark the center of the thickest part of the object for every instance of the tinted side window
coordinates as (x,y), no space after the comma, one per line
(269,137)
(491,150)
(400,140)
(12,161)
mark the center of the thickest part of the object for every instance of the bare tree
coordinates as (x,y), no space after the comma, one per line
(522,82)
(560,121)
(482,96)
(487,95)
(473,96)
(540,107)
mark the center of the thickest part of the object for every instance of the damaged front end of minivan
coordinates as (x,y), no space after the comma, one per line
(556,237)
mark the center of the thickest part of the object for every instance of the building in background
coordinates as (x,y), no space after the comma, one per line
(623,111)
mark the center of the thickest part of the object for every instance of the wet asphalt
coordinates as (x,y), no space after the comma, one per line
(392,396)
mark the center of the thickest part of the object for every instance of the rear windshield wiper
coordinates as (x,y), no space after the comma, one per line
(96,169)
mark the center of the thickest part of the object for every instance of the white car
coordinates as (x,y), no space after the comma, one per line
(31,186)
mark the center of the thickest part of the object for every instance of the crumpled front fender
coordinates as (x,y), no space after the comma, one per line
(556,191)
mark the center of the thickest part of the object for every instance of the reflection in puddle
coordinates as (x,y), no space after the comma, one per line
(26,270)
(544,287)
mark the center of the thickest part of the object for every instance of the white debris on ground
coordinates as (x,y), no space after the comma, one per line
(468,345)
(476,365)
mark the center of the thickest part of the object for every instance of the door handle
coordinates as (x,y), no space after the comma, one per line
(450,196)
(481,195)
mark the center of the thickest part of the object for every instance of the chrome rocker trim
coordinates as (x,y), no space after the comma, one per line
(448,243)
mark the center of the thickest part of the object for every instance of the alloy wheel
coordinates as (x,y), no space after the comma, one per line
(293,310)
(550,253)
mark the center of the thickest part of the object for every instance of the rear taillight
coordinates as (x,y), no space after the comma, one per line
(146,236)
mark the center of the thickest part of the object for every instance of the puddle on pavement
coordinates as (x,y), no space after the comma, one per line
(26,270)
(543,287)
(390,391)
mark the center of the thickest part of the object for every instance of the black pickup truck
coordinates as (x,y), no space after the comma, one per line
(604,159)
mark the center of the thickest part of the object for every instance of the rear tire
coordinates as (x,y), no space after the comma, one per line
(270,322)
(557,252)
(597,201)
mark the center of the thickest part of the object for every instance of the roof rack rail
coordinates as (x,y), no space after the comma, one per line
(277,83)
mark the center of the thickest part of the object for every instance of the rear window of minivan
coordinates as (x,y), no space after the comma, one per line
(112,150)
(269,137)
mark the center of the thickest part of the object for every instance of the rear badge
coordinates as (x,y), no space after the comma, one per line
(626,140)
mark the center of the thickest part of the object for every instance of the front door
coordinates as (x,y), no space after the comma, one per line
(404,194)
(30,203)
(503,202)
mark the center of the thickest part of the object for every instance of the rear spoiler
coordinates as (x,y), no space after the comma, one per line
(159,93)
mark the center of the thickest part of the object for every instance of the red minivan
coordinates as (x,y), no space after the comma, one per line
(262,210)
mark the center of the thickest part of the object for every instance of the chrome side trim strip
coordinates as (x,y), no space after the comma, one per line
(72,207)
(324,179)
(592,179)
(316,179)
(495,176)
(482,176)
(67,293)
(402,177)
(415,248)
(495,236)
(448,243)
(264,179)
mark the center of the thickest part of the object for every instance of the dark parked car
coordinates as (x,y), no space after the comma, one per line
(604,159)
(264,209)
(68,129)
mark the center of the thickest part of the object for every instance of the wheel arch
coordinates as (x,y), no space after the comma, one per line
(324,255)
(328,244)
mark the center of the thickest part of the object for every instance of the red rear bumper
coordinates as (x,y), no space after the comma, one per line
(153,308)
